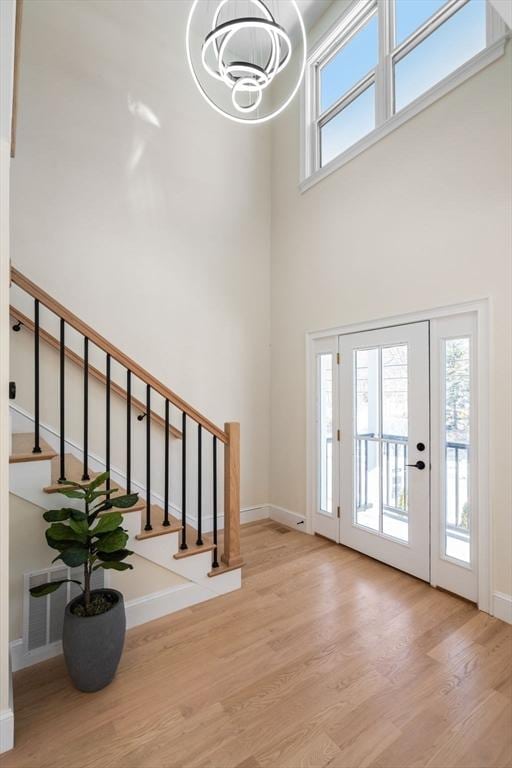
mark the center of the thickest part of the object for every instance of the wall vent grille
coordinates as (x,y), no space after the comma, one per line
(43,617)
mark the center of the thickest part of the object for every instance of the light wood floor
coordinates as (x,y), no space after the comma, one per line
(324,658)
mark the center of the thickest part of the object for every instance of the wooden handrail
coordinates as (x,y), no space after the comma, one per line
(94,372)
(71,319)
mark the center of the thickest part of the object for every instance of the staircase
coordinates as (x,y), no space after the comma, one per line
(177,480)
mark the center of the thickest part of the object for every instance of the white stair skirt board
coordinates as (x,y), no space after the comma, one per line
(502,606)
(286,517)
(138,611)
(6,730)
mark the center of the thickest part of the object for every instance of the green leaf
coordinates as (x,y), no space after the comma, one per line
(51,586)
(60,544)
(112,541)
(123,502)
(97,481)
(97,494)
(56,515)
(59,531)
(80,526)
(70,494)
(120,554)
(74,556)
(76,514)
(107,523)
(116,566)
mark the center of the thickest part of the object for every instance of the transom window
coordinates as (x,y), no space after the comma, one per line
(386,60)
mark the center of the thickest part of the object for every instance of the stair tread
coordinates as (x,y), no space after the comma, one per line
(193,548)
(158,529)
(175,526)
(74,469)
(223,568)
(22,445)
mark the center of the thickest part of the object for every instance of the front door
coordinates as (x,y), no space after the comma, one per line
(372,444)
(384,446)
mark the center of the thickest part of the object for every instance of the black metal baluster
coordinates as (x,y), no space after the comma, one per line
(128,431)
(199,541)
(62,478)
(215,562)
(107,423)
(85,475)
(183,544)
(166,473)
(37,446)
(148,526)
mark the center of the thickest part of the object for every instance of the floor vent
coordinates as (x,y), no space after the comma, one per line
(43,616)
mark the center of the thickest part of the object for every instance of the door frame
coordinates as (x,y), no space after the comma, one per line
(481,309)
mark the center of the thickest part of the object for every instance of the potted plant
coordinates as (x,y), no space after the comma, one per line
(94,622)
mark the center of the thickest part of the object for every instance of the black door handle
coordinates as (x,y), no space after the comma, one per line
(418,465)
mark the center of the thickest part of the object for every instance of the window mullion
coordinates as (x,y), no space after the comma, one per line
(384,70)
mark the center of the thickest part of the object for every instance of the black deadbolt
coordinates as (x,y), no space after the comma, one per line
(12,390)
(420,446)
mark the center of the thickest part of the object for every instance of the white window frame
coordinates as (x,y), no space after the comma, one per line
(386,119)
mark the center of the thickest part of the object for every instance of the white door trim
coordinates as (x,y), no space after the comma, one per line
(482,308)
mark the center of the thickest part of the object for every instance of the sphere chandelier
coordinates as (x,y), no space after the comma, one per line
(236,51)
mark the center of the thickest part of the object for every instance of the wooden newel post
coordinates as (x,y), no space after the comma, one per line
(231,554)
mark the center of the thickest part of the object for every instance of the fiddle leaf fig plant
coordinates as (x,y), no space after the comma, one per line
(93,538)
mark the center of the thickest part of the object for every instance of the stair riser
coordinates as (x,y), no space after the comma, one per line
(160,550)
(27,480)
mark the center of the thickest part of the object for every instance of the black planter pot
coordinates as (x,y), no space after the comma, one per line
(93,645)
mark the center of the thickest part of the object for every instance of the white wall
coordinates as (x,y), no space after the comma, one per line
(144,211)
(419,220)
(7,21)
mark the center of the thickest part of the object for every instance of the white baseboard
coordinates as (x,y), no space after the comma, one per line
(251,514)
(159,604)
(286,517)
(6,730)
(502,606)
(21,658)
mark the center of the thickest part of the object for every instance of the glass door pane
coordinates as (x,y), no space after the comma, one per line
(380,440)
(457,411)
(325,431)
(366,439)
(395,428)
